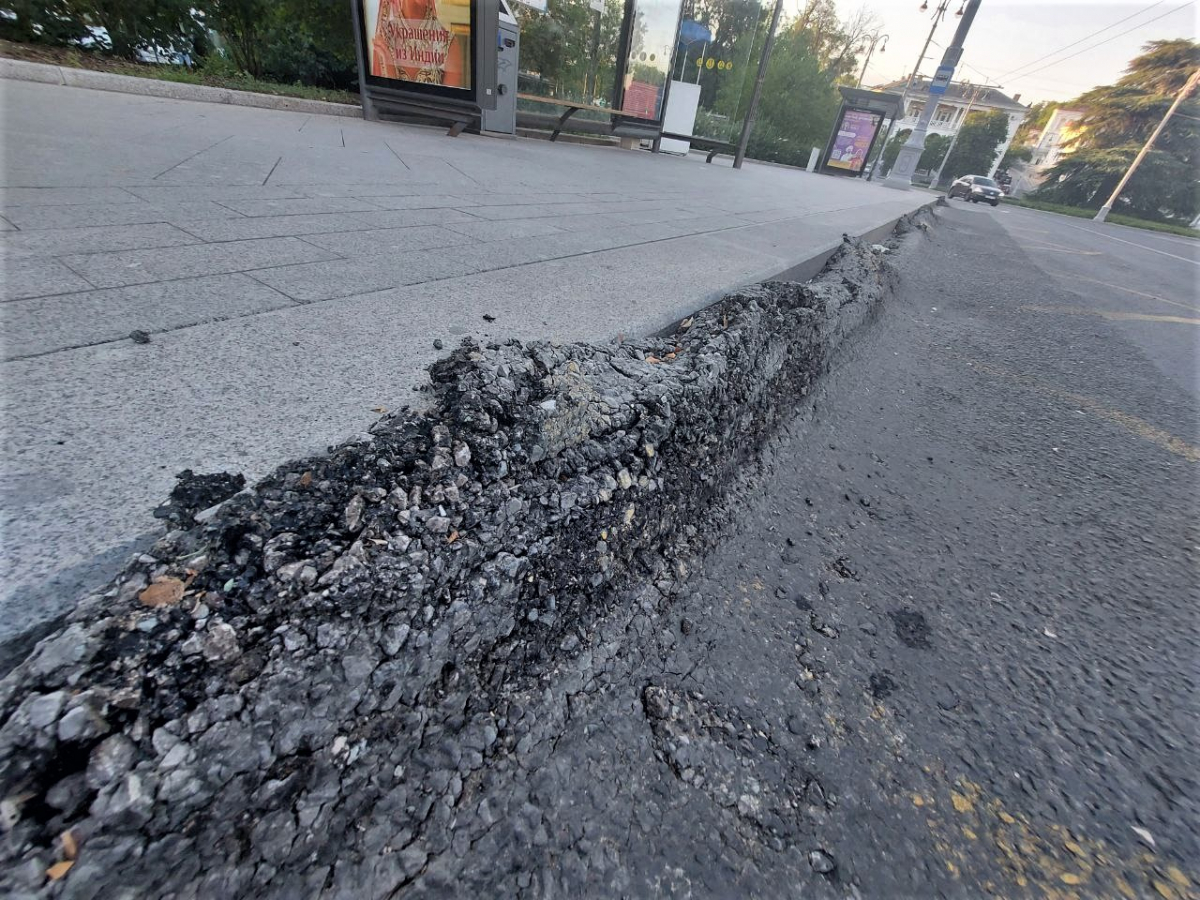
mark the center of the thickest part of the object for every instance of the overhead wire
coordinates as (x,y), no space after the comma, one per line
(1082,39)
(1105,41)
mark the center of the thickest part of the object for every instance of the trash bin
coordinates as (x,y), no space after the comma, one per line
(503,119)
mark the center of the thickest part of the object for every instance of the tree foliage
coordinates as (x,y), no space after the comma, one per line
(892,150)
(1117,121)
(979,141)
(936,146)
(812,54)
(57,22)
(120,27)
(935,149)
(572,49)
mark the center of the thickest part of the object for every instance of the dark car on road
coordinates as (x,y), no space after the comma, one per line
(975,188)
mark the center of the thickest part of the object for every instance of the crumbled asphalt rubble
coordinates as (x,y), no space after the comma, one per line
(323,686)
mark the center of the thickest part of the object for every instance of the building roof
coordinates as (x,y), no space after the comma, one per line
(960,92)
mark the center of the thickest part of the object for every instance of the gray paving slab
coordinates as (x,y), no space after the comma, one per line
(25,277)
(421,201)
(238,376)
(386,241)
(45,324)
(344,278)
(145,266)
(174,193)
(295,206)
(61,196)
(61,241)
(85,215)
(504,231)
(323,223)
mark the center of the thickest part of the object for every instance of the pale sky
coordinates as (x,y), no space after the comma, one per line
(1009,36)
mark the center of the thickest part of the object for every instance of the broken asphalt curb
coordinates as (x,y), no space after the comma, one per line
(367,633)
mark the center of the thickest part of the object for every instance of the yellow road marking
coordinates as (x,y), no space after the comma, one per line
(1112,315)
(1125,289)
(1132,424)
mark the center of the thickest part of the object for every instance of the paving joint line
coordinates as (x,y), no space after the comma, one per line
(193,156)
(431,280)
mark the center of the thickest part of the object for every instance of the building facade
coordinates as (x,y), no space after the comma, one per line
(952,108)
(1050,146)
(1054,141)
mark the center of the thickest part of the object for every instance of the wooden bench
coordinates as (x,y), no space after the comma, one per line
(571,106)
(701,144)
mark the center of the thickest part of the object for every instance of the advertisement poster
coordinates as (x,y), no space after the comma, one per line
(853,140)
(422,41)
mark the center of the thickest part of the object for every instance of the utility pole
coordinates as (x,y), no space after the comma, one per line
(768,46)
(954,140)
(910,154)
(1137,160)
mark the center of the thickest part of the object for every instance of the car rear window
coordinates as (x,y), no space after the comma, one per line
(986,182)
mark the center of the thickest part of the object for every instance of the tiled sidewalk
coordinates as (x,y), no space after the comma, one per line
(294,270)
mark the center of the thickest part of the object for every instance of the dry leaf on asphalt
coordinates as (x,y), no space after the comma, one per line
(306,479)
(69,845)
(164,592)
(59,869)
(382,410)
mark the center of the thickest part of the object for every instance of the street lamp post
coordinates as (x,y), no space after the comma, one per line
(938,14)
(900,177)
(875,39)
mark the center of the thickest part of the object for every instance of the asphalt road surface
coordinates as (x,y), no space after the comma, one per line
(1141,280)
(949,649)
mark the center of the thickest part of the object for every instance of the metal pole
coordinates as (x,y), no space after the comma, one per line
(368,107)
(748,123)
(954,140)
(1137,160)
(937,20)
(900,176)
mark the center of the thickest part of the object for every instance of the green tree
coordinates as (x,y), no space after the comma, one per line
(130,25)
(798,104)
(242,25)
(56,22)
(570,56)
(136,25)
(1117,121)
(936,146)
(892,150)
(1014,155)
(979,140)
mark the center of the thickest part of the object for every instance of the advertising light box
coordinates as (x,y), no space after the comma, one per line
(435,48)
(852,143)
